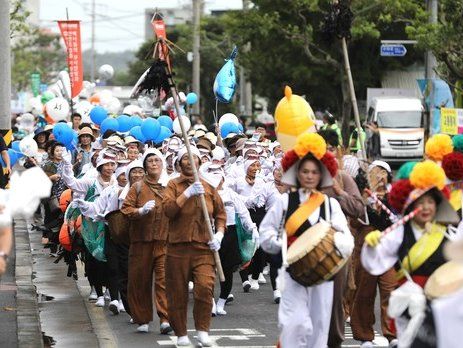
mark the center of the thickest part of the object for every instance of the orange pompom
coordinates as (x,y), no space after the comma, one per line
(310,142)
(426,175)
(438,146)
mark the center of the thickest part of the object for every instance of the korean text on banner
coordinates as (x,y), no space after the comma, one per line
(70,31)
(451,121)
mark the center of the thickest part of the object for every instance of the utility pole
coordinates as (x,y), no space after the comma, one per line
(431,62)
(92,59)
(5,70)
(196,54)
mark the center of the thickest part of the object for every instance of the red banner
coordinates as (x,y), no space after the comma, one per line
(70,31)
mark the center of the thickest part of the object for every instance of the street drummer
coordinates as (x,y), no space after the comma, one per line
(305,311)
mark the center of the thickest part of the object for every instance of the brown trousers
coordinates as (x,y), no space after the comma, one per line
(146,258)
(185,262)
(363,315)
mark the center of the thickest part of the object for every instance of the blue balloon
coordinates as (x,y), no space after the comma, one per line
(63,133)
(225,81)
(125,123)
(109,124)
(191,98)
(15,148)
(228,128)
(166,121)
(150,128)
(240,127)
(136,121)
(98,115)
(73,144)
(163,134)
(137,134)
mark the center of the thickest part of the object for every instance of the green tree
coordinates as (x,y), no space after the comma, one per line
(288,47)
(18,17)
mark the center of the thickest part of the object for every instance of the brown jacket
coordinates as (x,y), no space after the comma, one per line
(187,224)
(152,226)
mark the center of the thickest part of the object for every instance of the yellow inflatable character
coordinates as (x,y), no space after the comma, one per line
(293,116)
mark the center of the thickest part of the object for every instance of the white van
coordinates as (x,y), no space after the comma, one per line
(400,122)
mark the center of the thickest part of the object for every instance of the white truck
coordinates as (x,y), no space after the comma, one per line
(398,117)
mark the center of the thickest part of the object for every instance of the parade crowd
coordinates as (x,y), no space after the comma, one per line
(328,229)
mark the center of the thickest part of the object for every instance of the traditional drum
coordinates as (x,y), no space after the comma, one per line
(313,258)
(118,225)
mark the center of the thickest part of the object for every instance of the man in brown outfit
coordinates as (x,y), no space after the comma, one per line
(148,233)
(189,249)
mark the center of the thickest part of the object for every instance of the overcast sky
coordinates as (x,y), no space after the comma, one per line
(114,33)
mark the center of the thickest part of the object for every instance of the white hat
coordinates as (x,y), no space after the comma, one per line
(156,152)
(134,164)
(184,151)
(120,170)
(130,139)
(248,163)
(381,164)
(105,157)
(218,154)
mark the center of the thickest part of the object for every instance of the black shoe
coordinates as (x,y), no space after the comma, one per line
(229,299)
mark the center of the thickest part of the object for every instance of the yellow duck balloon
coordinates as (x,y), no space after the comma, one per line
(293,116)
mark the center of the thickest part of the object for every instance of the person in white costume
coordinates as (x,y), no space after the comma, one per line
(304,313)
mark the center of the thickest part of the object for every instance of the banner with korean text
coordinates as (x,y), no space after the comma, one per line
(70,31)
(451,121)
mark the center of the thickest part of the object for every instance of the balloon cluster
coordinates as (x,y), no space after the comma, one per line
(229,124)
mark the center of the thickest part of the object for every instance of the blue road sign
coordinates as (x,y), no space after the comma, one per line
(393,51)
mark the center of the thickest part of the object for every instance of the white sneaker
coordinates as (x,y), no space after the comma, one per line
(93,296)
(190,287)
(366,344)
(165,328)
(221,311)
(100,301)
(131,321)
(203,339)
(121,306)
(266,270)
(107,297)
(254,284)
(262,279)
(114,307)
(183,341)
(276,296)
(246,285)
(220,305)
(214,308)
(394,343)
(143,328)
(348,320)
(230,299)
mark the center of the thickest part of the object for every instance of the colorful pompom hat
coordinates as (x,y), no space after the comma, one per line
(309,144)
(426,177)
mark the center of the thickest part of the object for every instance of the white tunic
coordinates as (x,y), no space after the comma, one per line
(234,205)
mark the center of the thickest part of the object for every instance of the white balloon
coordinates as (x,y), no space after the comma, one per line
(133,110)
(229,117)
(35,106)
(28,146)
(106,72)
(65,83)
(57,109)
(182,97)
(114,105)
(186,123)
(83,108)
(105,97)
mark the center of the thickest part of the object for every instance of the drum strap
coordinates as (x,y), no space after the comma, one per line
(302,213)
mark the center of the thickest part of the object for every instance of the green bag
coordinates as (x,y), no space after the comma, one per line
(245,243)
(93,231)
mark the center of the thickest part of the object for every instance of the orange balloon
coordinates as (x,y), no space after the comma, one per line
(65,199)
(94,99)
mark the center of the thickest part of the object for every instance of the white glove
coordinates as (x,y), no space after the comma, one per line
(344,243)
(194,189)
(67,157)
(255,237)
(214,244)
(254,202)
(147,207)
(78,203)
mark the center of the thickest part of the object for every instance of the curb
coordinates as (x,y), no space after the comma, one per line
(29,329)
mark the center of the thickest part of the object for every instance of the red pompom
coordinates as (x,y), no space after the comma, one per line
(453,165)
(399,193)
(289,159)
(330,162)
(446,192)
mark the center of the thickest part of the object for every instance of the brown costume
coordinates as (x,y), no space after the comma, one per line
(188,254)
(147,252)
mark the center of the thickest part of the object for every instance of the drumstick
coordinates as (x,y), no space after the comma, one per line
(378,201)
(401,221)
